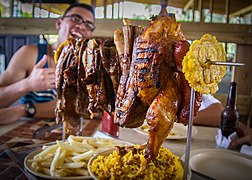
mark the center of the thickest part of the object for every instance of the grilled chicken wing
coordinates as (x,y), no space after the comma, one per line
(180,50)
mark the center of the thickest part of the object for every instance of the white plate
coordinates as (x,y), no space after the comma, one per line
(38,174)
(106,153)
(30,156)
(221,164)
(179,131)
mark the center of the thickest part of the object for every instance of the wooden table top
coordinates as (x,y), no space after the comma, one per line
(20,139)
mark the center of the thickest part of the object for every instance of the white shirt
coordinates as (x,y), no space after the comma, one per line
(207,100)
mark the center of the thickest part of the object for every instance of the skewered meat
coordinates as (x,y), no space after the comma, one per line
(162,114)
(129,110)
(180,50)
(69,83)
(110,62)
(87,76)
(154,86)
(157,87)
(198,70)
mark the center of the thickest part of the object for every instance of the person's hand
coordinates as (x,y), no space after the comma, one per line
(11,114)
(41,78)
(244,136)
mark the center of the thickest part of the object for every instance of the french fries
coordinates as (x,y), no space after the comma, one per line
(69,158)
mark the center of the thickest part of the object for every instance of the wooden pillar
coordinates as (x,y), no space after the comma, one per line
(105,3)
(227,10)
(93,3)
(193,10)
(242,75)
(11,8)
(118,10)
(112,9)
(211,4)
(200,7)
(33,8)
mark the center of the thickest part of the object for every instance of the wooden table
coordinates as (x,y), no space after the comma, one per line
(18,137)
(205,138)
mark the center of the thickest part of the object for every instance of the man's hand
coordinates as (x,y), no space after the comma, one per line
(11,114)
(41,78)
(244,134)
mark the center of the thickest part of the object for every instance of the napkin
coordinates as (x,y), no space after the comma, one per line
(224,142)
(102,135)
(245,149)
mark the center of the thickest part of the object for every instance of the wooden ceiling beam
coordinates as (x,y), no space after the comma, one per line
(219,6)
(236,33)
(241,11)
(188,5)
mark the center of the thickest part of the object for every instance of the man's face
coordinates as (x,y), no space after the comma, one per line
(76,23)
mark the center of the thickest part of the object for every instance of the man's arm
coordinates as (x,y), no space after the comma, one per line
(22,76)
(14,113)
(211,116)
(13,82)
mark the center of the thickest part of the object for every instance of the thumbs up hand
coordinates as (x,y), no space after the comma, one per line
(41,78)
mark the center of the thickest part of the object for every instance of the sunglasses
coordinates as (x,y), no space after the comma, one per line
(78,19)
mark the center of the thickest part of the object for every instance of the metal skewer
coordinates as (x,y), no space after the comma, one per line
(63,131)
(81,126)
(189,132)
(189,128)
(192,99)
(225,63)
(79,133)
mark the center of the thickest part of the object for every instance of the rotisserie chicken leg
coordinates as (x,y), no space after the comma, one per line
(162,114)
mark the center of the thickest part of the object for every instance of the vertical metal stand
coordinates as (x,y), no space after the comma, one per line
(81,126)
(63,131)
(79,133)
(189,132)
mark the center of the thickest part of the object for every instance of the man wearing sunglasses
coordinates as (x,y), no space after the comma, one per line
(30,74)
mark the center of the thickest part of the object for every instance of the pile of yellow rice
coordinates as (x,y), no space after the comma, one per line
(133,165)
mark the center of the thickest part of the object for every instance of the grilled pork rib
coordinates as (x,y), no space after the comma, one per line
(87,76)
(129,110)
(71,92)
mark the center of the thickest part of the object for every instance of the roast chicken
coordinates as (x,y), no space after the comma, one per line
(138,76)
(156,89)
